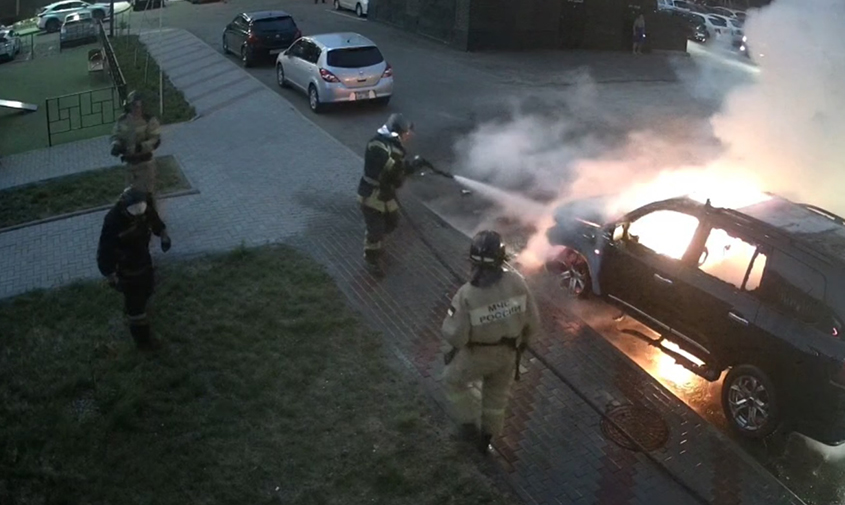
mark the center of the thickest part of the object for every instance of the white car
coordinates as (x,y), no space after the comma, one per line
(10,44)
(730,26)
(51,17)
(717,27)
(359,6)
(729,13)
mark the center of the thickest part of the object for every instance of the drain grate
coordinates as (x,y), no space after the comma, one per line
(643,425)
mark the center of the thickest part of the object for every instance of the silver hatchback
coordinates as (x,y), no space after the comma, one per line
(336,67)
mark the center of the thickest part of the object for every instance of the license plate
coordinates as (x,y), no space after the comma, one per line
(363,95)
(276,51)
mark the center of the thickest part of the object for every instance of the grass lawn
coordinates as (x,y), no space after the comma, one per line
(35,81)
(86,190)
(141,73)
(268,390)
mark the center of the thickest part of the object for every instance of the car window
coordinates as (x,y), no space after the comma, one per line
(698,19)
(732,260)
(736,23)
(718,21)
(310,52)
(296,48)
(240,22)
(665,232)
(791,287)
(356,57)
(280,24)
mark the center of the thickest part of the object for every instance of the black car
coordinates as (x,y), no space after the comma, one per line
(693,26)
(758,291)
(143,5)
(254,35)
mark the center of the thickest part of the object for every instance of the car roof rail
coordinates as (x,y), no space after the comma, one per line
(824,213)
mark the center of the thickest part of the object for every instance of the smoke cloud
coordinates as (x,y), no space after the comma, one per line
(777,129)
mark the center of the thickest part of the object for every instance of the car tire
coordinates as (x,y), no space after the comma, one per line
(359,11)
(748,385)
(246,57)
(573,274)
(280,76)
(314,100)
(52,25)
(225,45)
(98,14)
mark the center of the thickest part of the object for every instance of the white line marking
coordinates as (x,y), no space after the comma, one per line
(347,16)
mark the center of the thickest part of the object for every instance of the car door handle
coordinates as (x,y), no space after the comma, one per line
(733,316)
(663,279)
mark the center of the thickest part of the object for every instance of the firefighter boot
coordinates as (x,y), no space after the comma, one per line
(372,258)
(144,341)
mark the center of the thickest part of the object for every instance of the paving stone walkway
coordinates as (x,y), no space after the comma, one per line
(266,174)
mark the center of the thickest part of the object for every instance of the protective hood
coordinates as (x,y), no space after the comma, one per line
(387,133)
(484,276)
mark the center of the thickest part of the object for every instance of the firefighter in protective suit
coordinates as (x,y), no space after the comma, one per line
(136,135)
(385,170)
(123,257)
(492,319)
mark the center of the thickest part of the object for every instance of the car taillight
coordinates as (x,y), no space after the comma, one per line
(251,39)
(388,72)
(328,76)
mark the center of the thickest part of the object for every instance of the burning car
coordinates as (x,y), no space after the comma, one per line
(756,290)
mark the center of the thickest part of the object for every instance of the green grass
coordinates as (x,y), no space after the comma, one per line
(33,82)
(141,73)
(267,390)
(86,190)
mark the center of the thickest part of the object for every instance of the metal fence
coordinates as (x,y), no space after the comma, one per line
(78,111)
(112,65)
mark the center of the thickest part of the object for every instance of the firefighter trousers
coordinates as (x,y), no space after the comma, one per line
(379,225)
(494,367)
(137,290)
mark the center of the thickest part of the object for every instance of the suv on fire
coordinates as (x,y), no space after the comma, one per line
(757,290)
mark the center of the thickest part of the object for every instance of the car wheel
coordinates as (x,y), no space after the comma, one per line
(246,57)
(336,5)
(225,45)
(280,76)
(750,402)
(573,273)
(98,15)
(52,25)
(314,100)
(359,11)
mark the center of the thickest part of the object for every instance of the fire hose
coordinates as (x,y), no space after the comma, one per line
(621,429)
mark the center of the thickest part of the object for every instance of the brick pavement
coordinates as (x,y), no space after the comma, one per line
(253,189)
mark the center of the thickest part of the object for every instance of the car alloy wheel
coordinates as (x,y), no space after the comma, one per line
(225,46)
(359,11)
(574,279)
(52,26)
(314,99)
(749,401)
(280,75)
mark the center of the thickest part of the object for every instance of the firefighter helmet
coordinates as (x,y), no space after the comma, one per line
(397,124)
(487,249)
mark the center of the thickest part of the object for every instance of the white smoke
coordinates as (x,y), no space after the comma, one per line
(778,130)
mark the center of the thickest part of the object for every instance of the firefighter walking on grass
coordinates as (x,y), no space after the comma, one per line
(123,257)
(135,137)
(385,170)
(490,322)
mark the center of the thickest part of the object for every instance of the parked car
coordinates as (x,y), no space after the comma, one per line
(758,290)
(734,26)
(143,5)
(253,35)
(79,28)
(10,44)
(729,13)
(336,67)
(694,28)
(51,17)
(359,6)
(715,28)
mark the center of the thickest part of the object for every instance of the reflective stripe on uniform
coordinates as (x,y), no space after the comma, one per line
(499,311)
(137,319)
(371,181)
(384,147)
(373,202)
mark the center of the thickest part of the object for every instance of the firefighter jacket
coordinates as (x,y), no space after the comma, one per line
(135,138)
(385,169)
(124,246)
(505,310)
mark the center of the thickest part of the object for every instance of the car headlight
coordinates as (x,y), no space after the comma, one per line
(744,38)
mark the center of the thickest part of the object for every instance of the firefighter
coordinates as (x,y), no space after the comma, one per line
(490,322)
(123,257)
(385,169)
(135,137)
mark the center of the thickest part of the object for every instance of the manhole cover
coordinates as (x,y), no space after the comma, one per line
(643,425)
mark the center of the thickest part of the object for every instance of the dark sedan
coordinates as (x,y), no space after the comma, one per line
(256,35)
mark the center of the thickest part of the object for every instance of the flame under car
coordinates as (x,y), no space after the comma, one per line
(755,290)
